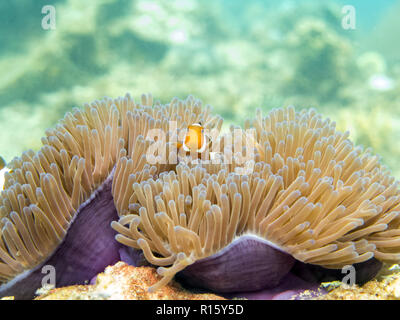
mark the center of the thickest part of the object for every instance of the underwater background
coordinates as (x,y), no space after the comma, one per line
(339,57)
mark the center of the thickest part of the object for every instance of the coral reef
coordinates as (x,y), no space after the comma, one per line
(239,57)
(314,45)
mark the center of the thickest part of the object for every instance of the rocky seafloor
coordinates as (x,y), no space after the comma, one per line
(125,282)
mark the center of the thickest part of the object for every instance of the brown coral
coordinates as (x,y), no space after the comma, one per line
(124,282)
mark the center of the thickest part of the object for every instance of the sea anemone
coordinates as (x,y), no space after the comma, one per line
(312,197)
(56,206)
(307,194)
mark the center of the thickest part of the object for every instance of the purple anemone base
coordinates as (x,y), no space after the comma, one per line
(249,263)
(253,268)
(89,246)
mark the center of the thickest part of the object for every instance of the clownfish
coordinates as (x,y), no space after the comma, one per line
(195,139)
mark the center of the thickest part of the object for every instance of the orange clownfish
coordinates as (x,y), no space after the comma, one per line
(195,140)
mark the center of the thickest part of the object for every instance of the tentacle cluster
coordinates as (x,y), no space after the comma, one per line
(44,190)
(359,198)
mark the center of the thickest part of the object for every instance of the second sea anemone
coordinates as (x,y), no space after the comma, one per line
(313,197)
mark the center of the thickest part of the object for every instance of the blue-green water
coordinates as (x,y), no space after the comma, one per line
(235,55)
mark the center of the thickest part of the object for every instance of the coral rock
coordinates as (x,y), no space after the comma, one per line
(386,288)
(124,282)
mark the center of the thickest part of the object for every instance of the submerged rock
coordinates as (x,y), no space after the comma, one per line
(125,282)
(385,286)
